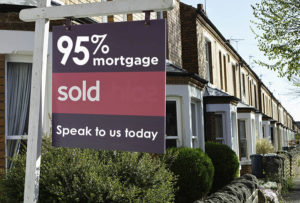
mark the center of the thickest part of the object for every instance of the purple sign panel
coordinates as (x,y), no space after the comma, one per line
(108,86)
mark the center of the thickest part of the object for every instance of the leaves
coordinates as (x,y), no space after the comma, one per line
(279,23)
(83,175)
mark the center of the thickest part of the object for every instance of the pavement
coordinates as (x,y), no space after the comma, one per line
(294,195)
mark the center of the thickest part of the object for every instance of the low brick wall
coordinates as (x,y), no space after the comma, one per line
(243,189)
(287,162)
(294,160)
(281,166)
(245,169)
(273,165)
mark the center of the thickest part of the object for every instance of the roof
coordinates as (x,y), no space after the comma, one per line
(242,105)
(173,70)
(210,91)
(213,94)
(245,107)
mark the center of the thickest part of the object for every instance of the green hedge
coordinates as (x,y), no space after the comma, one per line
(77,175)
(225,162)
(195,174)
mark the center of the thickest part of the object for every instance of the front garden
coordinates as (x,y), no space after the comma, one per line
(84,175)
(180,175)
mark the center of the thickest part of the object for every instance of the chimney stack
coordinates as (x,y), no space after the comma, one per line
(201,8)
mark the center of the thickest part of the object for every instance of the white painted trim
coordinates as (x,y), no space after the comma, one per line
(202,134)
(251,137)
(196,135)
(95,9)
(5,118)
(247,139)
(19,58)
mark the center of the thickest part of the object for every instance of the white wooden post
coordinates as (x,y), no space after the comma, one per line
(33,159)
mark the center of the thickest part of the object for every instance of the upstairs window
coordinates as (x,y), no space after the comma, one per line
(255,96)
(243,84)
(234,80)
(209,74)
(225,72)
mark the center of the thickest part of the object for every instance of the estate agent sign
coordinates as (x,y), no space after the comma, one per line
(108,88)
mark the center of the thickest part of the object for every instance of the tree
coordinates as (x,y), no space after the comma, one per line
(278,22)
(296,82)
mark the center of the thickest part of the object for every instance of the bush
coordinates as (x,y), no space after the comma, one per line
(264,146)
(287,185)
(225,162)
(83,175)
(195,174)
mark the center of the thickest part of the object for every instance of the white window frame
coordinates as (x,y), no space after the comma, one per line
(223,127)
(13,59)
(196,135)
(178,138)
(247,140)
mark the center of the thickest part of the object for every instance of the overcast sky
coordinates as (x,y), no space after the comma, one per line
(232,18)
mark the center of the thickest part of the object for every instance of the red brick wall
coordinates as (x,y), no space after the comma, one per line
(2,113)
(11,21)
(174,53)
(189,38)
(245,169)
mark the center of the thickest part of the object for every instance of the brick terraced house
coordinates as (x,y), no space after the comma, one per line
(211,92)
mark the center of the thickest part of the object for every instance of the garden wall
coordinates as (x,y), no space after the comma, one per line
(243,189)
(282,165)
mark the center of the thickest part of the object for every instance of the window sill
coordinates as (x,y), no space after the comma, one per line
(245,162)
(16,137)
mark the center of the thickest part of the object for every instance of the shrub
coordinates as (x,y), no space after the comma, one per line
(264,146)
(298,138)
(225,162)
(195,174)
(287,185)
(83,175)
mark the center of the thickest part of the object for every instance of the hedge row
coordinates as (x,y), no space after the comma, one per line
(83,175)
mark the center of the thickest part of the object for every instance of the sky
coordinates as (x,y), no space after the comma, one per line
(232,18)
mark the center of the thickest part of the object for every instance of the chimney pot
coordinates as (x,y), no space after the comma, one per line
(200,8)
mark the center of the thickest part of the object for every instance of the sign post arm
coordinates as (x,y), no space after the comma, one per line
(33,159)
(96,9)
